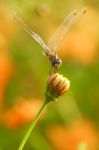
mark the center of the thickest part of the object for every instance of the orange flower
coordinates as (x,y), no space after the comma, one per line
(22,112)
(71,137)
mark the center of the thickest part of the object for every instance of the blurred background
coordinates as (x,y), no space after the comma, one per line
(71,123)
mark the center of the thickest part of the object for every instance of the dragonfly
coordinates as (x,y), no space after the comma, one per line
(57,39)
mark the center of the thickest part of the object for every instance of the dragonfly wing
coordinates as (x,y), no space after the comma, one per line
(57,39)
(35,36)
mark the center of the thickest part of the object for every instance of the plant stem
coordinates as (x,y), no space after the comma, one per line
(32,125)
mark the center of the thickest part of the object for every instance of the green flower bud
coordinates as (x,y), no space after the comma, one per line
(56,86)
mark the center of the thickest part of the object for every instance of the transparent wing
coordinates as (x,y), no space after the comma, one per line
(32,34)
(57,39)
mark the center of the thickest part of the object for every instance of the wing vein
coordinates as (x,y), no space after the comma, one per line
(35,36)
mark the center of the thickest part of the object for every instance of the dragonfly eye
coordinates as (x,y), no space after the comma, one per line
(58,61)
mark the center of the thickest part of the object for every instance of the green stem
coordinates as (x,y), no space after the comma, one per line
(32,125)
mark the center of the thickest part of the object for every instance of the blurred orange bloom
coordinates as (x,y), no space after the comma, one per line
(22,112)
(70,137)
(6,70)
(6,67)
(3,43)
(6,23)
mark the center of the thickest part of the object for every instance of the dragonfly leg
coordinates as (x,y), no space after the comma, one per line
(53,70)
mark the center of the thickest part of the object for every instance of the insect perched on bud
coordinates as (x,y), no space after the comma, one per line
(56,86)
(57,39)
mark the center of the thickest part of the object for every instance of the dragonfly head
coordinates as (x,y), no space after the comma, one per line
(58,62)
(55,61)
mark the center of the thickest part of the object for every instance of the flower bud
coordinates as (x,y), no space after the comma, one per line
(57,85)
